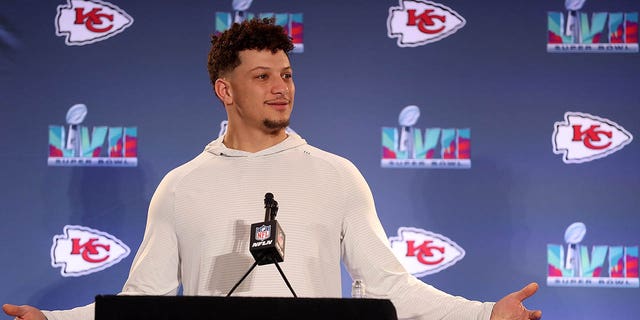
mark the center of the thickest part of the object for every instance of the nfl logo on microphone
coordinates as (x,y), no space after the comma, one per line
(263,232)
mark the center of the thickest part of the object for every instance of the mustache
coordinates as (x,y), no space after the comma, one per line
(279,100)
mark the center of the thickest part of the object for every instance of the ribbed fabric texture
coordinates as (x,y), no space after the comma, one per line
(197,233)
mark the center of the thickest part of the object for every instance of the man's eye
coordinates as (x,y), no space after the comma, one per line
(287,75)
(262,76)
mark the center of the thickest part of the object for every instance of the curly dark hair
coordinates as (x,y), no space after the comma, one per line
(259,34)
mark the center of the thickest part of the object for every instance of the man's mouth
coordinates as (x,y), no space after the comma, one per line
(278,103)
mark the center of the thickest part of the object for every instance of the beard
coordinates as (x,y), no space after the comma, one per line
(275,125)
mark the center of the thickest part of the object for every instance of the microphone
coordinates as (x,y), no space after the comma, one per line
(270,207)
(266,242)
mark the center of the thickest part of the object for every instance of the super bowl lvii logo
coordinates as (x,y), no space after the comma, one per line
(576,31)
(407,147)
(76,147)
(291,22)
(575,267)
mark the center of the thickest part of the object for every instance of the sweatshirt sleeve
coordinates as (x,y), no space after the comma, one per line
(155,269)
(80,313)
(367,255)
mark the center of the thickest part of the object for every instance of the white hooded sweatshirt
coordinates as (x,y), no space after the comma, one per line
(197,233)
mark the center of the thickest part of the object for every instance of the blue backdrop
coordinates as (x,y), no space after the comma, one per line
(531,130)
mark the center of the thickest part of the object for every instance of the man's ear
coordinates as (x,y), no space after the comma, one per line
(222,89)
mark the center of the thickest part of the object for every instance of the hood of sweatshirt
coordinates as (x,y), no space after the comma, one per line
(218,148)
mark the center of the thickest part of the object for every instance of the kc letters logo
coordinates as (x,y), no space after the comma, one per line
(88,21)
(416,23)
(80,251)
(583,137)
(423,252)
(577,268)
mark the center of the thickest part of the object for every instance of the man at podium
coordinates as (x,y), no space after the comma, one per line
(197,233)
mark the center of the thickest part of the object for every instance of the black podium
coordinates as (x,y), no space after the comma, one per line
(121,307)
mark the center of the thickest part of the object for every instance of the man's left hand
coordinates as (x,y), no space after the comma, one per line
(511,308)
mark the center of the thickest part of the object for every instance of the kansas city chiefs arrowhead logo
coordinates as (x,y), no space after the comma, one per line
(417,22)
(81,251)
(422,252)
(88,21)
(583,137)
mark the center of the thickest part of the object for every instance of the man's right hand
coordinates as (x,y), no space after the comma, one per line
(23,312)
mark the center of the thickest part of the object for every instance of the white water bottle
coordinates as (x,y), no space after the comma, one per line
(357,289)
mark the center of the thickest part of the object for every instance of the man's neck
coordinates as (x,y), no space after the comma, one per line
(253,141)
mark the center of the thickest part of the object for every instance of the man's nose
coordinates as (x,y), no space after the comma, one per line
(280,87)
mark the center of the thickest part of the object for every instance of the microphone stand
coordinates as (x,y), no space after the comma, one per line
(286,281)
